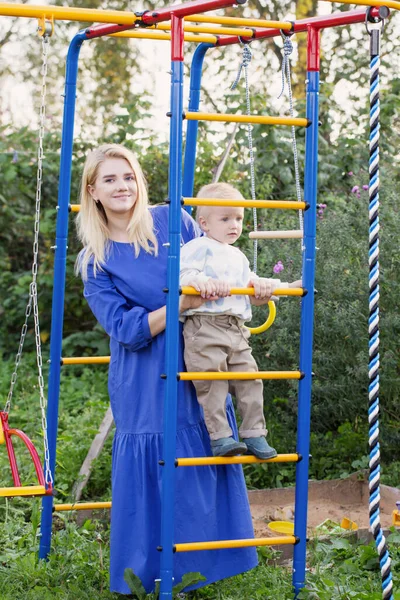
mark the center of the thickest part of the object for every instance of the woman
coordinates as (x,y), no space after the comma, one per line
(124,268)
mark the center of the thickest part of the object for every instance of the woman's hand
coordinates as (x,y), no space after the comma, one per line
(188,302)
(296,284)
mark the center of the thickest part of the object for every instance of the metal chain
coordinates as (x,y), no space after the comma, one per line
(373,323)
(287,50)
(33,301)
(246,59)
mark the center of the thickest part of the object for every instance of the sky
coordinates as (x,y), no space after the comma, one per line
(17,103)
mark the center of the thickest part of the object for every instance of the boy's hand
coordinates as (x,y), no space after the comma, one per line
(212,288)
(296,284)
(262,288)
(222,288)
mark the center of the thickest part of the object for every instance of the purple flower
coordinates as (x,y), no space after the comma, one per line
(278,267)
(365,187)
(15,157)
(350,173)
(323,206)
(355,189)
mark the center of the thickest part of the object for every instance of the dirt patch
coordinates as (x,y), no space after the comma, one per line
(331,500)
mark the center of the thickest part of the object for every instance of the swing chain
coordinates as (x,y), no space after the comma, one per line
(32,302)
(246,59)
(286,73)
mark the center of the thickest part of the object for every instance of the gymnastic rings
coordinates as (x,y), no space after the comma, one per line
(268,322)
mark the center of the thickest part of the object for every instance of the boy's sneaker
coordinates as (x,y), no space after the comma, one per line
(227,447)
(260,447)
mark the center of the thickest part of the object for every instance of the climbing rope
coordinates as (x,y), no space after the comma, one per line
(246,59)
(373,367)
(286,74)
(32,301)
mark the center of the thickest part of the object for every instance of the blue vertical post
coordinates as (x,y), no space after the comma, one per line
(193,126)
(172,325)
(60,258)
(307,312)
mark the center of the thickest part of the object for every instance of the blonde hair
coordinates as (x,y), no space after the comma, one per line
(225,191)
(92,226)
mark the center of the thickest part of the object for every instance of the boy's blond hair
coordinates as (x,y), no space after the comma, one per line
(225,191)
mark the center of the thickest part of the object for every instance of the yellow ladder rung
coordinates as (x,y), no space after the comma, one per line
(234,460)
(28,490)
(240,21)
(281,204)
(276,235)
(230,375)
(153,34)
(262,119)
(191,291)
(85,360)
(243,32)
(82,506)
(273,541)
(278,204)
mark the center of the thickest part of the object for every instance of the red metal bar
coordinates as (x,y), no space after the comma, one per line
(11,453)
(177,38)
(187,8)
(335,20)
(10,450)
(32,451)
(101,29)
(313,45)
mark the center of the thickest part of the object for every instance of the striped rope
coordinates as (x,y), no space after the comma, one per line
(373,412)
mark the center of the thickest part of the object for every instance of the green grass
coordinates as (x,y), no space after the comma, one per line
(78,566)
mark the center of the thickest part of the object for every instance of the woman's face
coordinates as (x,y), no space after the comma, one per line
(115,187)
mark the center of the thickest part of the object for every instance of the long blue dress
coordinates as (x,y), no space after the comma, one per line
(211,502)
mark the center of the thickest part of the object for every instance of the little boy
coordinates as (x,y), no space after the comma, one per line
(215,336)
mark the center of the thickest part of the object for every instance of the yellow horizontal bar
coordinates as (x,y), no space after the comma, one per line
(240,21)
(28,490)
(233,460)
(191,291)
(62,13)
(283,204)
(230,375)
(243,32)
(280,204)
(152,34)
(82,506)
(85,360)
(272,541)
(264,120)
(276,235)
(389,3)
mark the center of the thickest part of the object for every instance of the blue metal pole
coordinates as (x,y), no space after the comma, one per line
(193,126)
(306,332)
(172,325)
(60,259)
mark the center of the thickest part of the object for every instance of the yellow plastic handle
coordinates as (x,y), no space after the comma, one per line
(268,322)
(2,439)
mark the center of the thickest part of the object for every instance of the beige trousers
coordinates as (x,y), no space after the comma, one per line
(220,343)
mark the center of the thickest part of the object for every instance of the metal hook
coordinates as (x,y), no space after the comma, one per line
(383,14)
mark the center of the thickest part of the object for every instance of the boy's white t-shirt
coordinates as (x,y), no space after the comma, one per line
(204,258)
